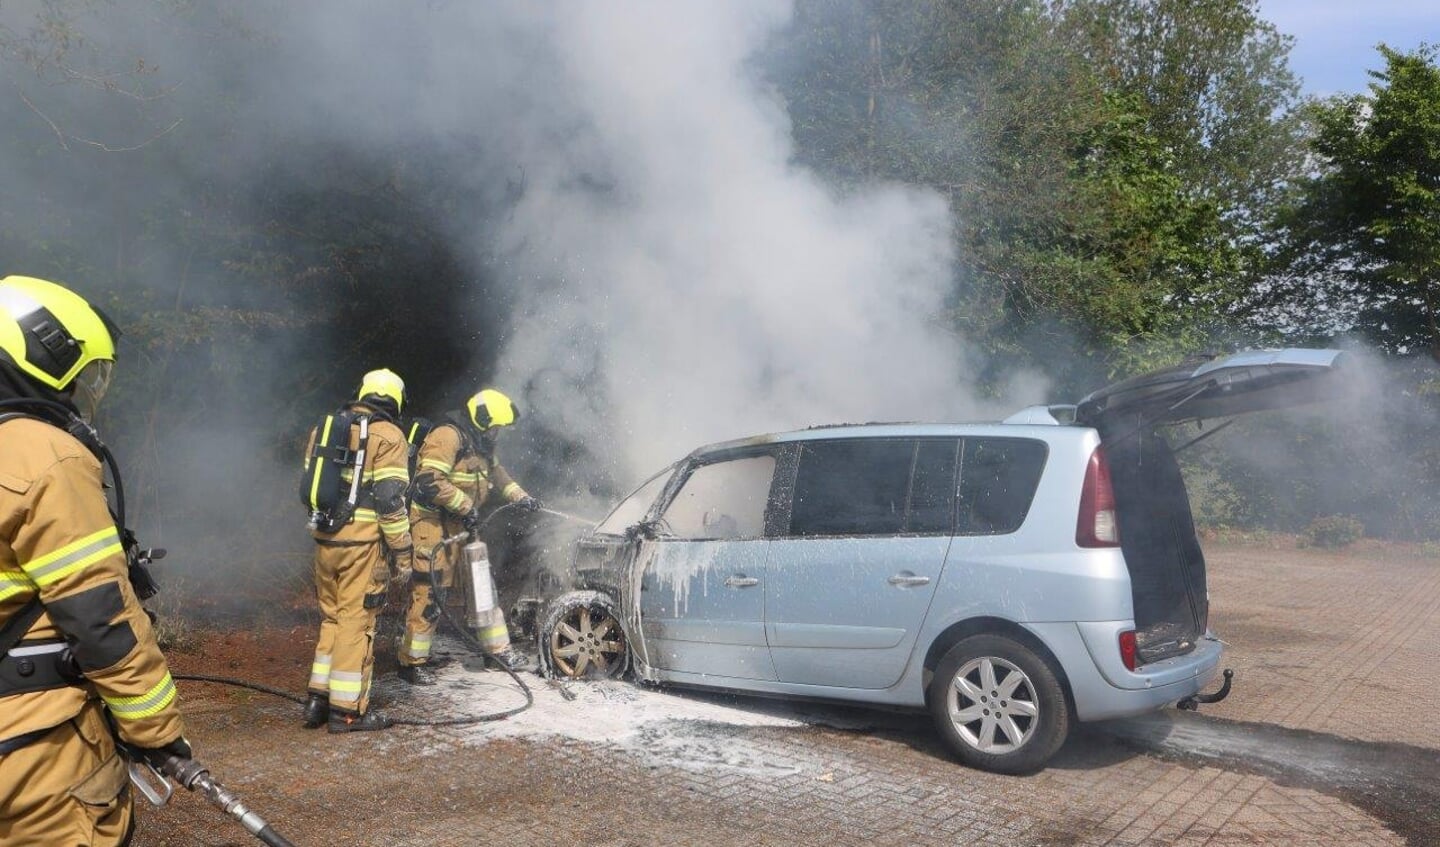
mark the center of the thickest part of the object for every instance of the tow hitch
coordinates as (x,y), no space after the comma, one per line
(1190,704)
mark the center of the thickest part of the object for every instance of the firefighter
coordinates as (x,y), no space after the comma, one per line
(353,564)
(78,658)
(416,428)
(457,474)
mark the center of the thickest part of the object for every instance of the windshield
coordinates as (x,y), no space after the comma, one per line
(633,508)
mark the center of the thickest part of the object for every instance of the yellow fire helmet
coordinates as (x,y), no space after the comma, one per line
(385,383)
(52,334)
(491,408)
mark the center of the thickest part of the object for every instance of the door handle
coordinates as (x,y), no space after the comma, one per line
(741,581)
(908,579)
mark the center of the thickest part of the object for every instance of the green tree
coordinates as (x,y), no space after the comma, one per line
(1107,160)
(1363,233)
(1218,90)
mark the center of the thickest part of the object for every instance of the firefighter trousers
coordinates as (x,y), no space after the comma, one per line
(423,616)
(350,584)
(69,787)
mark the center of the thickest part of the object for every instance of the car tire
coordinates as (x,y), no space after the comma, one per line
(583,637)
(998,705)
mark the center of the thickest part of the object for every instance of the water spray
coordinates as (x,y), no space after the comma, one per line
(559,514)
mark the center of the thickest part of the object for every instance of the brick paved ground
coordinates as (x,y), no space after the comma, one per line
(1347,643)
(1314,638)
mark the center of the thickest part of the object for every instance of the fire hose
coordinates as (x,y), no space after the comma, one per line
(470,641)
(194,776)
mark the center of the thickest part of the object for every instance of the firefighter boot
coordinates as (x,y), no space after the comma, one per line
(417,674)
(344,720)
(317,710)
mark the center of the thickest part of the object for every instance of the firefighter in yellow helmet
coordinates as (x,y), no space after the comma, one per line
(355,555)
(78,657)
(457,473)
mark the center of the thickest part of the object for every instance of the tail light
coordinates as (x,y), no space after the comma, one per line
(1096,526)
(1128,649)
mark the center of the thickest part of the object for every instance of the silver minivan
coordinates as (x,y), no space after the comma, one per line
(1012,578)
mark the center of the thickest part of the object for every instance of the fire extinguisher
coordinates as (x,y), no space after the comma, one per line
(482,589)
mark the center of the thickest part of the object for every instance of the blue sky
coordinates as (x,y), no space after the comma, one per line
(1335,39)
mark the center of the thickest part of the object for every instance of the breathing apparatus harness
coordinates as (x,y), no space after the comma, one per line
(151,773)
(137,560)
(322,487)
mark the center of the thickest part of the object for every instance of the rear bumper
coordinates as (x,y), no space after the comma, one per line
(1101,686)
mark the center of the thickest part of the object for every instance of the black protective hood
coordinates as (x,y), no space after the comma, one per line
(379,406)
(15,385)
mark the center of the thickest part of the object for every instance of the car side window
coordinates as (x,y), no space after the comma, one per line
(932,486)
(873,486)
(724,499)
(998,478)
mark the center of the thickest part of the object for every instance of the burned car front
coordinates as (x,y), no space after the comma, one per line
(584,632)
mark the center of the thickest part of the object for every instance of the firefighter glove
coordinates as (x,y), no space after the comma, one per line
(471,520)
(530,504)
(425,488)
(156,756)
(402,567)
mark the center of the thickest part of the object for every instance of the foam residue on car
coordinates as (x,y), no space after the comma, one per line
(676,571)
(639,650)
(679,570)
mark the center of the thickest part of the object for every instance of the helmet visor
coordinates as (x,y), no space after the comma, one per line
(90,386)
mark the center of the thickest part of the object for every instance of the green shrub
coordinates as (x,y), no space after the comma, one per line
(1333,532)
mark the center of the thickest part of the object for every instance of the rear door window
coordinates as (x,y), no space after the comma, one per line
(874,486)
(998,478)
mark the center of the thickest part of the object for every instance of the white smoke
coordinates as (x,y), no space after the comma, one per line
(682,279)
(675,276)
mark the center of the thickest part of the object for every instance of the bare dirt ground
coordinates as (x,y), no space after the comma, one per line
(1329,738)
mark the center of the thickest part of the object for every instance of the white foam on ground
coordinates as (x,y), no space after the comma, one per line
(694,731)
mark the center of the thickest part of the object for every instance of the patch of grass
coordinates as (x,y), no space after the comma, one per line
(172,630)
(1252,537)
(1333,532)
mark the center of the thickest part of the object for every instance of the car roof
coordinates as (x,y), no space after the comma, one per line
(1045,432)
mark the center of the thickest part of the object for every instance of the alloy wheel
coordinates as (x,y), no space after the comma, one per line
(587,641)
(992,705)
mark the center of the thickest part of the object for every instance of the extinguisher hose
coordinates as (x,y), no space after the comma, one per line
(470,640)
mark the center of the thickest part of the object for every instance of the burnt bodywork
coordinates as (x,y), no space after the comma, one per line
(530,562)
